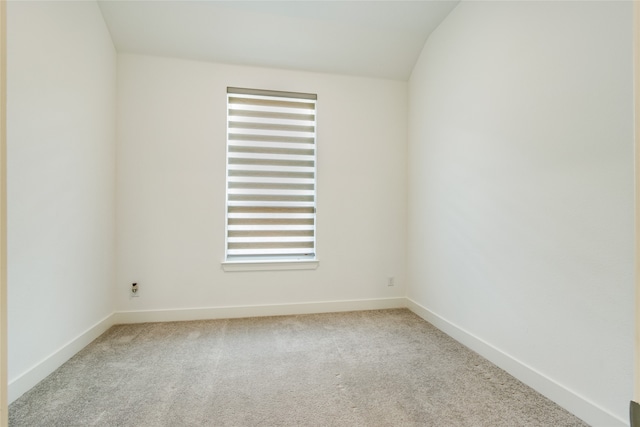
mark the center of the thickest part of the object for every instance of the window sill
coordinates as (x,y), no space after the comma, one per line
(269,265)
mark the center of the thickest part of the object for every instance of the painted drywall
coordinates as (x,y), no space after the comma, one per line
(61,88)
(171,187)
(521,188)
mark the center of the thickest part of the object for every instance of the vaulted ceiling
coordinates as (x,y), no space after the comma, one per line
(365,38)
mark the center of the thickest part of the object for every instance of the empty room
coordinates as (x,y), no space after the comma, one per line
(374,213)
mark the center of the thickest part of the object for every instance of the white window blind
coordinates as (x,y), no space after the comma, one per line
(271,175)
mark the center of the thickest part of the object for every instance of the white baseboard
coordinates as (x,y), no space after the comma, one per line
(172,315)
(40,371)
(568,399)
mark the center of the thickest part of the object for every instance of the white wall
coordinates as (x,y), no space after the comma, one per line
(521,192)
(171,187)
(61,180)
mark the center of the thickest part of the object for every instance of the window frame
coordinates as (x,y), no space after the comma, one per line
(265,261)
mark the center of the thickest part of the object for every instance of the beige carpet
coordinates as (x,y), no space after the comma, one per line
(372,368)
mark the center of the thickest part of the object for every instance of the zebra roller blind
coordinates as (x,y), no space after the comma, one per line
(271,175)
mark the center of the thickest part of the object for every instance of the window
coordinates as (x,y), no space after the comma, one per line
(271,176)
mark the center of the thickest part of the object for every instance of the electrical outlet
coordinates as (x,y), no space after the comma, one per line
(391,281)
(135,290)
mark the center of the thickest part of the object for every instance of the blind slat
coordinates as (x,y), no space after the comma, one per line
(276,198)
(268,227)
(270,138)
(270,233)
(265,168)
(292,151)
(234,174)
(273,156)
(270,239)
(270,126)
(272,103)
(271,192)
(270,145)
(260,252)
(273,115)
(271,185)
(272,215)
(269,204)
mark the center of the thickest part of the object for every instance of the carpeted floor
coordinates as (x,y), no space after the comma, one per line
(371,368)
